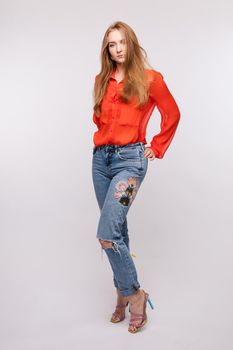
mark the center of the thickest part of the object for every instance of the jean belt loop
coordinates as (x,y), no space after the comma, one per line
(141,145)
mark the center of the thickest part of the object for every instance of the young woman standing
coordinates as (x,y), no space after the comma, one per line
(126,92)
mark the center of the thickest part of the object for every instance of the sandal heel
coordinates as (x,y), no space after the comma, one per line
(150,303)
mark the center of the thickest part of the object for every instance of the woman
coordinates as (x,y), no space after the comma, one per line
(126,92)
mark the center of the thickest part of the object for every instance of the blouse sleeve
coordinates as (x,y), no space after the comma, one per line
(170,115)
(96,120)
(94,116)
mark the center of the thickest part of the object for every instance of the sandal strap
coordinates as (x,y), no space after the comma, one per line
(137,318)
(121,305)
(136,324)
(115,314)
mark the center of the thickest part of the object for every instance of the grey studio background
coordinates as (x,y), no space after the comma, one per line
(55,291)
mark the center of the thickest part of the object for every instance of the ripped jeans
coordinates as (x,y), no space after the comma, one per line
(118,172)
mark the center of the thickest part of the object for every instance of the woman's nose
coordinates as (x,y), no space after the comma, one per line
(119,48)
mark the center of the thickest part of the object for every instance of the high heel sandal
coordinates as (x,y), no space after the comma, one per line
(116,313)
(142,317)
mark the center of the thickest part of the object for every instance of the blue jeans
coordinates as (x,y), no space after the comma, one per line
(118,172)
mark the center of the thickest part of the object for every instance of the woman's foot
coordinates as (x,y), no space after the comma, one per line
(119,313)
(138,317)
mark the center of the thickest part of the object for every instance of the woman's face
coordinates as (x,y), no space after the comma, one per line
(117,46)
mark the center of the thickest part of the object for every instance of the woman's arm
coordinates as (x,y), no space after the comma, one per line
(170,115)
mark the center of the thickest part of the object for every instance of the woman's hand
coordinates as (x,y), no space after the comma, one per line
(148,153)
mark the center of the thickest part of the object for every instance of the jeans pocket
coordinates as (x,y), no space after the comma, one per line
(128,153)
(131,153)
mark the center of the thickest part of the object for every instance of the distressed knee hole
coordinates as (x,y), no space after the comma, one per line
(105,244)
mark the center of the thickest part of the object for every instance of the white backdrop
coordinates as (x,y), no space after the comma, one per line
(56,293)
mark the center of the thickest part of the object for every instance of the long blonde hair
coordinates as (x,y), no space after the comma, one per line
(135,82)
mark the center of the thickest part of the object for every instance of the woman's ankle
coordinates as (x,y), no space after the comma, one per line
(133,298)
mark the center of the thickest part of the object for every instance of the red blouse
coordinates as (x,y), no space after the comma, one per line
(120,123)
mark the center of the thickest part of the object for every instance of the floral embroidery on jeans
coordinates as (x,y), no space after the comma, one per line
(126,191)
